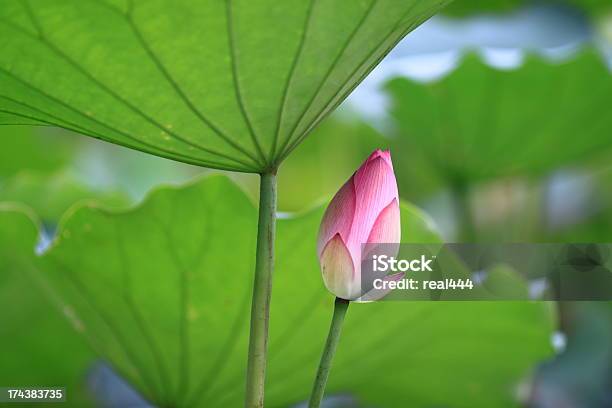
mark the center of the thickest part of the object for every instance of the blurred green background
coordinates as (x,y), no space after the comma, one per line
(498,118)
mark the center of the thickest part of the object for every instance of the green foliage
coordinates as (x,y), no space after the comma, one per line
(467,7)
(505,283)
(594,225)
(477,124)
(50,195)
(234,85)
(39,346)
(162,291)
(325,161)
(464,8)
(481,123)
(593,7)
(25,147)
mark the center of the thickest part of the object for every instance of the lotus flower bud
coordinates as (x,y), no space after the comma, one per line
(364,211)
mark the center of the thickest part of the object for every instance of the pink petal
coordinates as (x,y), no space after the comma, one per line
(386,231)
(338,270)
(387,227)
(375,187)
(338,216)
(384,154)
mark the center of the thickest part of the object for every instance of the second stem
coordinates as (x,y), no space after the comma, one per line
(318,389)
(262,289)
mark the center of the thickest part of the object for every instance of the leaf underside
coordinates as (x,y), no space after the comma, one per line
(162,292)
(234,84)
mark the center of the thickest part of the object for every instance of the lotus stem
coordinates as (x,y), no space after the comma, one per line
(262,288)
(318,389)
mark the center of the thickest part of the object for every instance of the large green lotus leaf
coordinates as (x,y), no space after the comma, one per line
(163,291)
(40,346)
(480,123)
(230,84)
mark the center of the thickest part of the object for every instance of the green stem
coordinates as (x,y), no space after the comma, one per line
(340,308)
(262,288)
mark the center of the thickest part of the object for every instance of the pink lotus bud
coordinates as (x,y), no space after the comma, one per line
(364,211)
